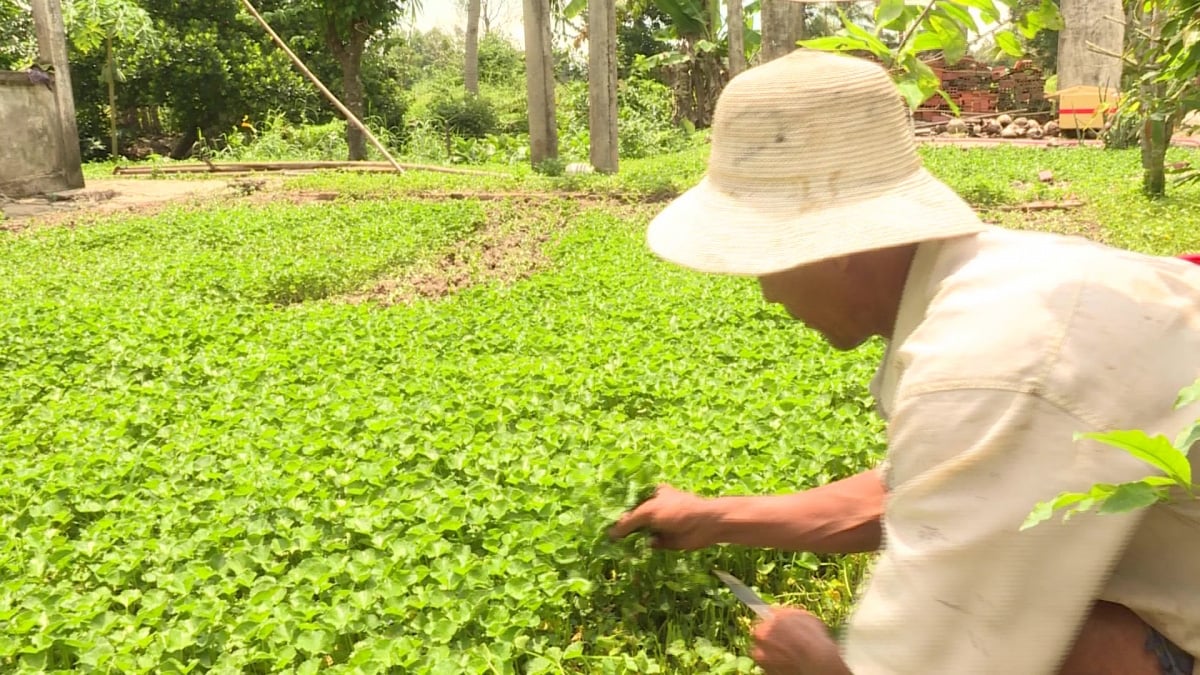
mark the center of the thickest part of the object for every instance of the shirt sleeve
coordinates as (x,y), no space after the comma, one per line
(958,588)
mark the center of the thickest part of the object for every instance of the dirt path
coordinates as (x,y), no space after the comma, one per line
(105,195)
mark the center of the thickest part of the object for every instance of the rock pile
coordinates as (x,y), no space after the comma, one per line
(1001,126)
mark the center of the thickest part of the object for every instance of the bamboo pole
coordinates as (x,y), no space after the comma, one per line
(252,167)
(350,117)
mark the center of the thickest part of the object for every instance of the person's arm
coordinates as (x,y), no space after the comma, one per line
(842,517)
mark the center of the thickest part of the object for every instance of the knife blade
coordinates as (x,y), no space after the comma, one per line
(743,593)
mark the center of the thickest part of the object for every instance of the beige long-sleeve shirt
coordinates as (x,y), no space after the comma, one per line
(1007,344)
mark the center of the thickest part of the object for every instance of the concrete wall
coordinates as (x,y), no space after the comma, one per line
(1090,21)
(31,152)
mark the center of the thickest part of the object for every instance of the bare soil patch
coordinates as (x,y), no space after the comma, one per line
(509,247)
(102,197)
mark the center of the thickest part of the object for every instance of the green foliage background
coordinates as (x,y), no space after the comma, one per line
(213,80)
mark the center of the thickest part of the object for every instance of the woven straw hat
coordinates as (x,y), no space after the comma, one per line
(813,157)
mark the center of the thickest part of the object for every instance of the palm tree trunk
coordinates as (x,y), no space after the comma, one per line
(111,79)
(602,84)
(539,81)
(782,27)
(735,23)
(471,71)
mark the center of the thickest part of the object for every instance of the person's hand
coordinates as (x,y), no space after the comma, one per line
(793,642)
(675,519)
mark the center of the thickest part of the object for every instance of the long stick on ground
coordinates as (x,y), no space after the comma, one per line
(251,167)
(350,117)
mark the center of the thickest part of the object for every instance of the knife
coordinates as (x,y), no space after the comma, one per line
(743,593)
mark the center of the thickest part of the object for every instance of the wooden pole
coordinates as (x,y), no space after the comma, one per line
(350,117)
(253,167)
(52,49)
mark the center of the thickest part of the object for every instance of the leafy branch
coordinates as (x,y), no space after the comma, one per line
(944,26)
(1169,458)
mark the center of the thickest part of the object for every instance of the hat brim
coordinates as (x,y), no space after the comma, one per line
(708,230)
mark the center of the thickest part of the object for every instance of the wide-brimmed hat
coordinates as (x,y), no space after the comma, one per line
(813,157)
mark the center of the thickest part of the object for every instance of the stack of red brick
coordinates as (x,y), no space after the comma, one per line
(978,88)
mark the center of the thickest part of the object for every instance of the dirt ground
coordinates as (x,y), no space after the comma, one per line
(105,195)
(507,249)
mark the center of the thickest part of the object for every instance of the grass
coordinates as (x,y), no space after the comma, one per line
(216,464)
(1108,182)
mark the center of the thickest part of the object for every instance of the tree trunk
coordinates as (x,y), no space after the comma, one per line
(111,79)
(539,80)
(1157,124)
(1156,138)
(349,53)
(471,71)
(183,147)
(735,23)
(352,82)
(602,84)
(708,80)
(697,83)
(782,27)
(1084,22)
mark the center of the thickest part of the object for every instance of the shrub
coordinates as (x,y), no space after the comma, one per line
(465,115)
(500,62)
(645,110)
(276,138)
(511,103)
(553,166)
(386,97)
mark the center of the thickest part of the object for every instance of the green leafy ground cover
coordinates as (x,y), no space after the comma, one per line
(213,463)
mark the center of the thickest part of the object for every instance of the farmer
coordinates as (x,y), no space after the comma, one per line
(1001,346)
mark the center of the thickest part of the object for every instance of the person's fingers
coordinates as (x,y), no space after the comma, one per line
(629,522)
(640,516)
(758,635)
(649,496)
(635,519)
(759,656)
(763,626)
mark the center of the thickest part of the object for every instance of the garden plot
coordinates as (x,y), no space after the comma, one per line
(216,463)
